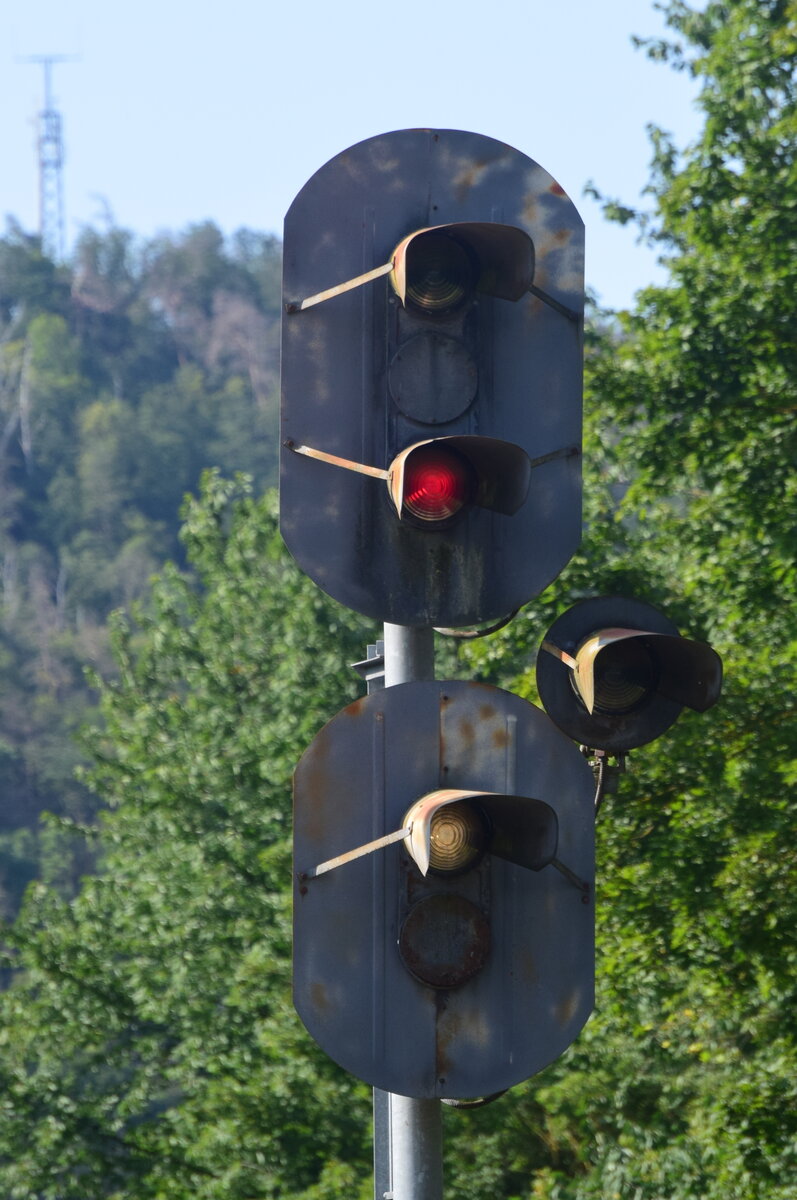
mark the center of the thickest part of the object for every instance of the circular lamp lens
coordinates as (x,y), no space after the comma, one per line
(437,483)
(440,273)
(444,940)
(625,675)
(458,837)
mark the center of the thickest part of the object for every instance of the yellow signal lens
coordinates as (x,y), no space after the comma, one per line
(458,836)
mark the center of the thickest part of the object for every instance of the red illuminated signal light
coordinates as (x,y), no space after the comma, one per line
(438,482)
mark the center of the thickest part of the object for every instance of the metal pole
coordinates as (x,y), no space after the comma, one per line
(409,654)
(412,1128)
(416,1148)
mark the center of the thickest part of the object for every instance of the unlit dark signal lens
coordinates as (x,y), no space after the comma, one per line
(437,483)
(457,837)
(440,273)
(625,675)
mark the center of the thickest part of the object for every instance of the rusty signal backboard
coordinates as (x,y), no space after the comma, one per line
(366,984)
(367,372)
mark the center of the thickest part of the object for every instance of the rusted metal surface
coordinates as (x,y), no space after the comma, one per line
(433,378)
(503,991)
(352,387)
(444,940)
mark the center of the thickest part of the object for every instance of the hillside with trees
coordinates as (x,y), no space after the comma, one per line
(150,1049)
(123,375)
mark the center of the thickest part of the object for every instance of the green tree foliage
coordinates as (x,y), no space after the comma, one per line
(707,381)
(122,377)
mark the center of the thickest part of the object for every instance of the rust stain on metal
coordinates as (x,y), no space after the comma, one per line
(315,784)
(455,1030)
(357,709)
(442,1043)
(318,997)
(321,805)
(530,217)
(487,712)
(467,730)
(474,685)
(501,739)
(534,308)
(557,189)
(562,237)
(468,179)
(444,940)
(567,1008)
(412,880)
(443,751)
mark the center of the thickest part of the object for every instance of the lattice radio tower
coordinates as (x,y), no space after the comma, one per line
(50,145)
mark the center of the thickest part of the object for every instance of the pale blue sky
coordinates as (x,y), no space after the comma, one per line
(176,112)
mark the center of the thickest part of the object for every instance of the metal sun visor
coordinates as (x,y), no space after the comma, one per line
(690,672)
(503,471)
(523,830)
(504,253)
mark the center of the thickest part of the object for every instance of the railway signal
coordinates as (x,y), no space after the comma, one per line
(431,476)
(614,673)
(431,378)
(443,906)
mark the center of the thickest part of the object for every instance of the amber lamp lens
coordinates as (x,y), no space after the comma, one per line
(458,837)
(437,483)
(440,274)
(625,675)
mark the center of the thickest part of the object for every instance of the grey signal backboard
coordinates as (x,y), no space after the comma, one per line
(532,987)
(353,386)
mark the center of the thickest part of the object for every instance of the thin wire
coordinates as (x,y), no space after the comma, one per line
(601,783)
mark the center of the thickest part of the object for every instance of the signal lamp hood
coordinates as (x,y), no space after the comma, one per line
(497,260)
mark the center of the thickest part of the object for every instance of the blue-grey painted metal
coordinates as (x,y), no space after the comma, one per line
(354,379)
(362,1004)
(414,1127)
(407,1132)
